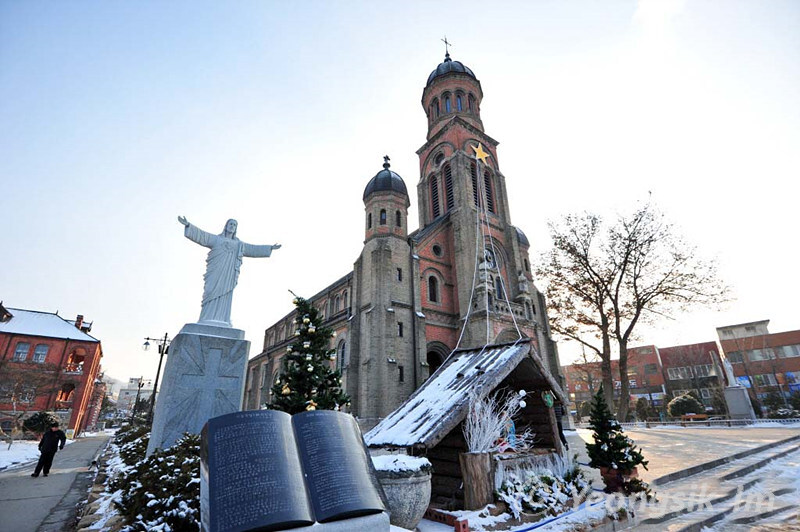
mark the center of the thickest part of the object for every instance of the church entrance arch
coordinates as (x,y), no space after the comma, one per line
(437,352)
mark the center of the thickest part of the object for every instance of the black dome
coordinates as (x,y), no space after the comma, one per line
(385,181)
(449,66)
(522,238)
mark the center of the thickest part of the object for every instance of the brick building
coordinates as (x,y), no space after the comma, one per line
(48,363)
(763,362)
(654,373)
(400,312)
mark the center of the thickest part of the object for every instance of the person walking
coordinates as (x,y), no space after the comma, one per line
(48,446)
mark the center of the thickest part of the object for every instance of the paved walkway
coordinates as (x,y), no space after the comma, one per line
(673,449)
(46,504)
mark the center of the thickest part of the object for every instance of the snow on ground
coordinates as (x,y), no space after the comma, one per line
(399,462)
(21,452)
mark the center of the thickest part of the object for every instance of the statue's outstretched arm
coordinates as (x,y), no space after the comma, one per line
(195,234)
(251,250)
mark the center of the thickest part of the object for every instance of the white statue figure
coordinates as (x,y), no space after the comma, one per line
(523,283)
(222,268)
(729,372)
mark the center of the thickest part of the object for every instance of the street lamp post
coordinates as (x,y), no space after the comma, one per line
(163,348)
(136,402)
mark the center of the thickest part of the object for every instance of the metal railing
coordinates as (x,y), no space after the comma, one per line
(703,423)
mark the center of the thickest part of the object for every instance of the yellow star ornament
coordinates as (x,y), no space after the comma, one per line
(480,154)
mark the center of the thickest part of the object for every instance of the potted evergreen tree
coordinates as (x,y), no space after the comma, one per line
(612,451)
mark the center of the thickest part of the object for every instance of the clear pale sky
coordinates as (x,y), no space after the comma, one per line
(116,117)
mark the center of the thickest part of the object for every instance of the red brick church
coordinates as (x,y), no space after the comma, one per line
(415,296)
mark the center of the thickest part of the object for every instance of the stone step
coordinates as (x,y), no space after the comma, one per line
(708,497)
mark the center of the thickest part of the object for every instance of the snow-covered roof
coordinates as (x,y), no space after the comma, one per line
(441,403)
(34,323)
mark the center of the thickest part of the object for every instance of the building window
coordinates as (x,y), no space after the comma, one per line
(471,102)
(459,104)
(433,289)
(475,190)
(400,329)
(337,304)
(705,393)
(383,217)
(344,299)
(398,219)
(369,221)
(40,353)
(527,266)
(703,370)
(400,275)
(735,357)
(65,394)
(435,104)
(487,181)
(435,196)
(650,369)
(448,187)
(437,250)
(447,104)
(400,375)
(767,379)
(21,352)
(340,355)
(438,159)
(498,288)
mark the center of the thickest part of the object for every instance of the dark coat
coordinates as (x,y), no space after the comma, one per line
(49,442)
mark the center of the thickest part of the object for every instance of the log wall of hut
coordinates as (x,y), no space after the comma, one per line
(447,490)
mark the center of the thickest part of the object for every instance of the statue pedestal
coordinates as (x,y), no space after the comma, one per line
(203,378)
(738,401)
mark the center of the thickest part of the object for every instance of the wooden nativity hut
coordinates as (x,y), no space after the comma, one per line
(430,422)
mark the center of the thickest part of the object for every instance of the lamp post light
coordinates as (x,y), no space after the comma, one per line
(163,348)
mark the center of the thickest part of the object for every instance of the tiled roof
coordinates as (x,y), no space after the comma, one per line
(47,324)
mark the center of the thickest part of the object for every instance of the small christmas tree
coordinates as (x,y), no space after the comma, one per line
(611,447)
(307,381)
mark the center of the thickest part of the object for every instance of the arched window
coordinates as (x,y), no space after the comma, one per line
(498,288)
(65,394)
(341,353)
(435,197)
(337,304)
(398,219)
(383,217)
(40,353)
(448,187)
(475,190)
(487,182)
(369,221)
(527,266)
(472,104)
(459,102)
(344,299)
(21,351)
(447,108)
(433,289)
(435,104)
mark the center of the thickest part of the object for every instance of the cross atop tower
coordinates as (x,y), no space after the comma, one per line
(386,161)
(447,44)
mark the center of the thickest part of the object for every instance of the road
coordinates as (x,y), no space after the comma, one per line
(46,504)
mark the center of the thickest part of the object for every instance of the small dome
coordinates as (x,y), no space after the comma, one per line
(447,66)
(523,240)
(385,181)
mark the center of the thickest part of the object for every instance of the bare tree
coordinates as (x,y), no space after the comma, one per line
(21,383)
(613,278)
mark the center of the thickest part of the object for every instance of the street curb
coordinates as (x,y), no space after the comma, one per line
(694,470)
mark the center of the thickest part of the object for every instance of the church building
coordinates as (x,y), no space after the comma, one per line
(461,280)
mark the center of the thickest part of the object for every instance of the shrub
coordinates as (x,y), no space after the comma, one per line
(162,492)
(40,422)
(685,404)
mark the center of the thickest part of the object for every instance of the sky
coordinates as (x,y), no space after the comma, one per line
(117,117)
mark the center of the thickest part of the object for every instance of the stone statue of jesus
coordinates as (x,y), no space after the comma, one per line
(222,268)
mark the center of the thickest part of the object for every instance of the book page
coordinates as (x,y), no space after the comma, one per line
(255,479)
(339,472)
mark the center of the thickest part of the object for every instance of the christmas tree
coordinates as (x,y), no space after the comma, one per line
(611,447)
(307,381)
